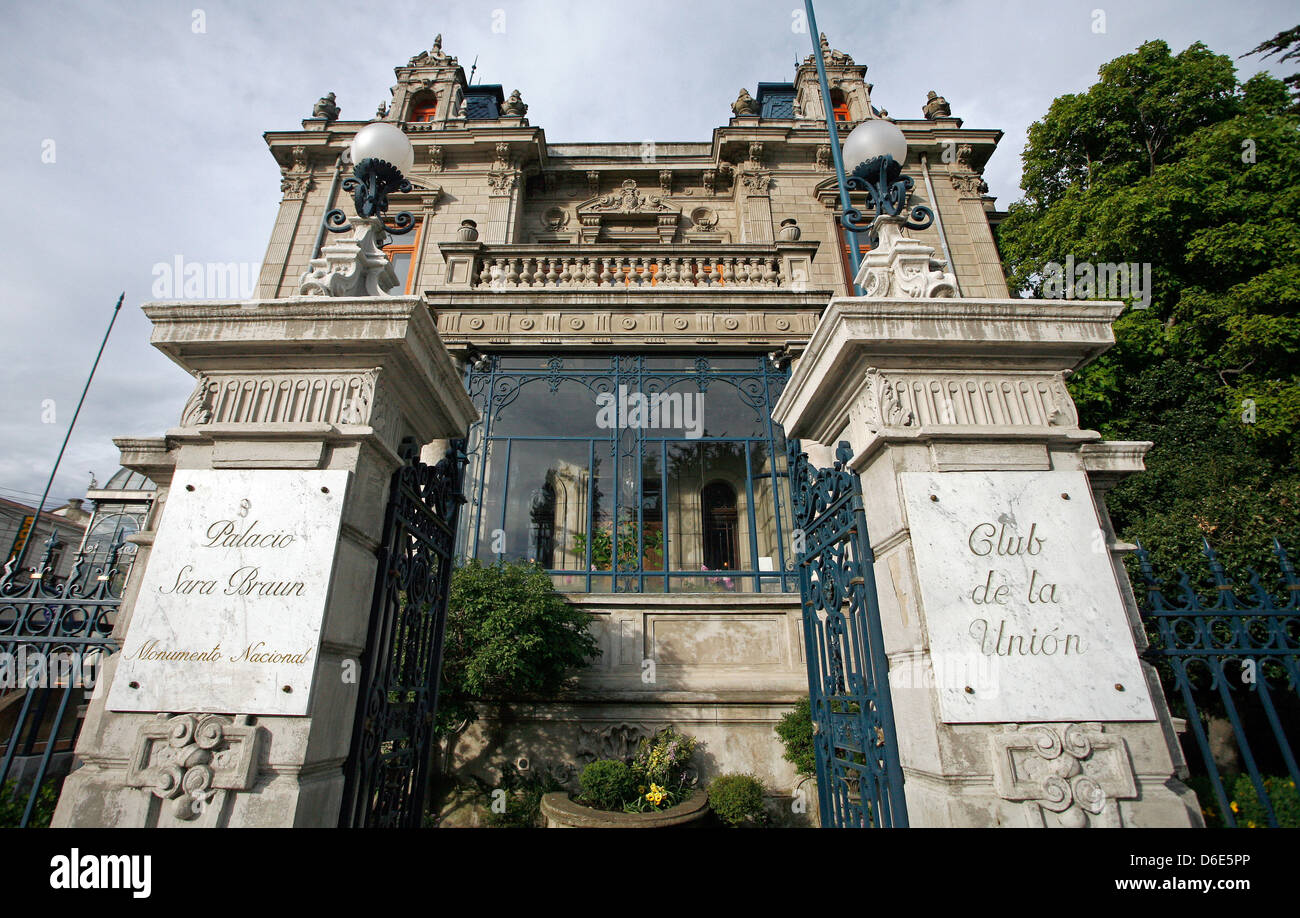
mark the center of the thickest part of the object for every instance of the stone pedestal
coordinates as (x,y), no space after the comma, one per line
(328,388)
(958,417)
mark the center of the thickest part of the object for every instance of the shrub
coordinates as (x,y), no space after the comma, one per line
(13,801)
(607,784)
(795,730)
(737,800)
(509,634)
(523,798)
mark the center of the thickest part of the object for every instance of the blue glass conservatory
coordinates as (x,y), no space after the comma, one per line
(630,473)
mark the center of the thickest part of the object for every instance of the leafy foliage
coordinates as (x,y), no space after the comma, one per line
(737,800)
(13,802)
(795,730)
(523,797)
(1170,160)
(1285,44)
(607,784)
(509,634)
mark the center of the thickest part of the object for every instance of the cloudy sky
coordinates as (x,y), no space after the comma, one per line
(152,115)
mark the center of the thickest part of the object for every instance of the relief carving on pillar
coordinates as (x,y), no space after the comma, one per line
(1066,775)
(910,398)
(331,397)
(193,761)
(296,180)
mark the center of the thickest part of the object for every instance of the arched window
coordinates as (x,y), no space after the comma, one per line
(424,107)
(718,523)
(840,105)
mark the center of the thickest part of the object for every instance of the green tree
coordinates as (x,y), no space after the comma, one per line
(1170,160)
(509,635)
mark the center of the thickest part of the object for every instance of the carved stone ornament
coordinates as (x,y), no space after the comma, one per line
(1066,775)
(502,183)
(353,266)
(830,55)
(936,106)
(706,218)
(745,104)
(824,157)
(434,55)
(326,108)
(514,106)
(555,219)
(274,397)
(628,208)
(437,157)
(973,398)
(296,178)
(193,761)
(756,182)
(198,410)
(968,184)
(902,266)
(615,741)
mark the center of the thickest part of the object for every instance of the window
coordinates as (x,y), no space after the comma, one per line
(846,258)
(401,252)
(630,473)
(840,105)
(424,107)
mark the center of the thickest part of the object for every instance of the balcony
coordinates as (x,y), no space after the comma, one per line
(723,268)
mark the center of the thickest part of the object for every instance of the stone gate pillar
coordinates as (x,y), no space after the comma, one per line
(231,701)
(1009,623)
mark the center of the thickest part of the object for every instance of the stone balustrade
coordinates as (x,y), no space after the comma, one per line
(780,266)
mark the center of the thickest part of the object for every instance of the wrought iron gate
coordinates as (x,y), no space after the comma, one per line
(392,738)
(54,637)
(1238,654)
(859,778)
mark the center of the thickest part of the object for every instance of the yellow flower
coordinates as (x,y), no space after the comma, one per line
(1233,806)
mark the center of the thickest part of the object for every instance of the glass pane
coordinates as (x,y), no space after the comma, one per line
(546,503)
(402,268)
(652,511)
(765,520)
(530,407)
(485,503)
(707,509)
(723,409)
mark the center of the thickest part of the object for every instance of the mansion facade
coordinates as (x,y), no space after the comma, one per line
(625,316)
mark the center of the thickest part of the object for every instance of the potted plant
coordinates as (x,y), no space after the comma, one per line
(655,791)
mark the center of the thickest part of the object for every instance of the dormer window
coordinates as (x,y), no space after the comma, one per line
(423,108)
(839,105)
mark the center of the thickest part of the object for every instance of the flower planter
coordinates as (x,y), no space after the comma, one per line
(562,813)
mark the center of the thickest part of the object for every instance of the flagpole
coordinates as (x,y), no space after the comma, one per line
(22,551)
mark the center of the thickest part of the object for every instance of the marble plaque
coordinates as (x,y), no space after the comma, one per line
(228,617)
(1022,605)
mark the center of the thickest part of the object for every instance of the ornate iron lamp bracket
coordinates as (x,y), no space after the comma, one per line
(371,182)
(890,190)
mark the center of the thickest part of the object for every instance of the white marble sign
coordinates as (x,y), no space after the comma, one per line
(1022,606)
(229,613)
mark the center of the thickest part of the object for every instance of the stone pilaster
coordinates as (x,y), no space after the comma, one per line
(953,393)
(309,384)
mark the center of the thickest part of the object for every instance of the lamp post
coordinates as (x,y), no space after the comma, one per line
(381,153)
(874,154)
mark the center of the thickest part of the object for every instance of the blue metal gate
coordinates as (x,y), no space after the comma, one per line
(54,637)
(859,777)
(1236,657)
